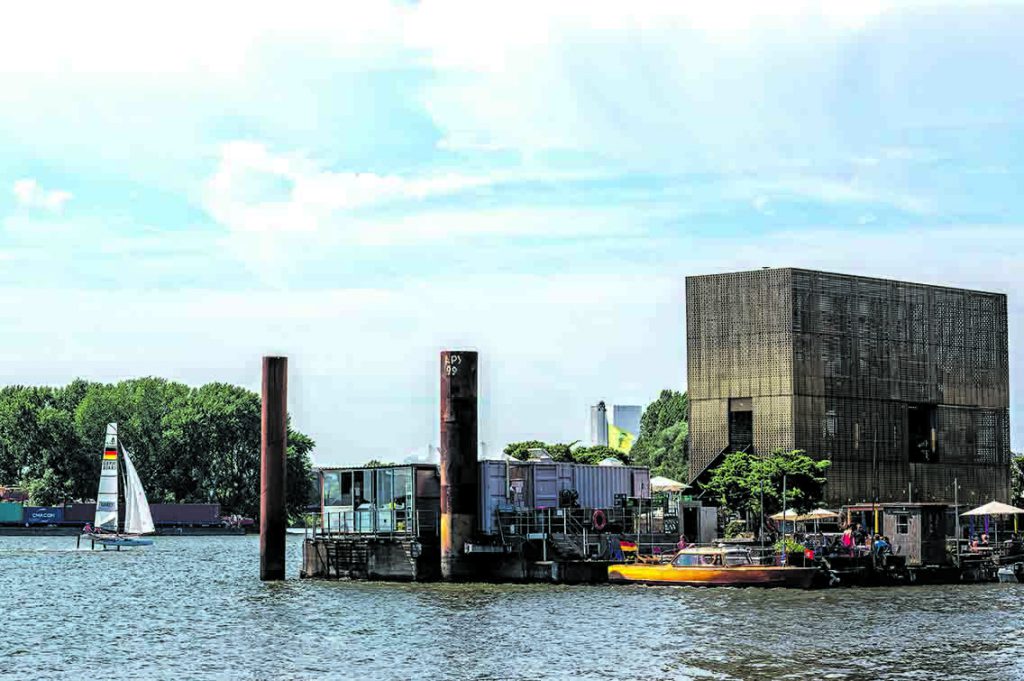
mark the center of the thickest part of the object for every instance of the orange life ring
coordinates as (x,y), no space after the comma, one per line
(599,519)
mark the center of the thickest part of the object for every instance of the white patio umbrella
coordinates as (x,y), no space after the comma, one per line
(788,514)
(663,484)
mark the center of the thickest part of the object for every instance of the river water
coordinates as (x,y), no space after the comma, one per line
(194,608)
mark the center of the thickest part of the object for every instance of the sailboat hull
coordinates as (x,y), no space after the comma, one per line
(116,540)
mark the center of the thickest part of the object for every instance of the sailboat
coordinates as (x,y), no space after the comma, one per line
(137,519)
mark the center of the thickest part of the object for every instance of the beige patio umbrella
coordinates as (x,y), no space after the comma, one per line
(996,508)
(818,514)
(788,514)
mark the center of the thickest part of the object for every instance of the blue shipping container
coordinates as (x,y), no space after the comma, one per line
(43,515)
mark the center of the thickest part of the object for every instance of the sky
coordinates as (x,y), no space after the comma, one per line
(185,188)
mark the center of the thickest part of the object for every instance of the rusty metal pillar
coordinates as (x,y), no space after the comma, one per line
(273,468)
(459,467)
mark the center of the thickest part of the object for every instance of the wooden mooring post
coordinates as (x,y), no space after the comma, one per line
(273,468)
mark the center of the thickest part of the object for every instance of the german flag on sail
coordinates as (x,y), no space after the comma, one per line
(109,454)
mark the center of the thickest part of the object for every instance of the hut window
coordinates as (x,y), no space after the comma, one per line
(345,498)
(902,524)
(403,488)
(332,491)
(385,494)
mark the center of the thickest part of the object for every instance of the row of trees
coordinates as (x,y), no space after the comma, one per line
(190,445)
(572,452)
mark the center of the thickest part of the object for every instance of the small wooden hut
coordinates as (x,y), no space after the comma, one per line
(917,531)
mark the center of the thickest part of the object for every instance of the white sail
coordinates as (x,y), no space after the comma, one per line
(137,518)
(106,497)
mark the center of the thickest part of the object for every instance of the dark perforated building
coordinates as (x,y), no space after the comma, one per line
(904,387)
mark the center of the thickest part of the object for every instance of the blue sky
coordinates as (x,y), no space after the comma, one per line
(534,183)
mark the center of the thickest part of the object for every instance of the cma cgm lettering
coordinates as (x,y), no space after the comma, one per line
(43,515)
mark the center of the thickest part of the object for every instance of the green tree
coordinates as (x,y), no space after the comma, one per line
(570,452)
(39,448)
(595,454)
(188,444)
(139,407)
(661,445)
(737,483)
(1017,479)
(300,469)
(557,450)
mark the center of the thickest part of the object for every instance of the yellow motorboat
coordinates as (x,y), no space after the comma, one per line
(717,566)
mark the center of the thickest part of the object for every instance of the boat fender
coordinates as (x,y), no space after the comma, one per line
(599,519)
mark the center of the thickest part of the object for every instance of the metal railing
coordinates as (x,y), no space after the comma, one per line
(579,530)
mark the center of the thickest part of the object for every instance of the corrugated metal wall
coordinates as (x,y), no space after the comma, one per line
(596,485)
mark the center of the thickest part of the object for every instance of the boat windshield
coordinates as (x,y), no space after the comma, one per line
(711,557)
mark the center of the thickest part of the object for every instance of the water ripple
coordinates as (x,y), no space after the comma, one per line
(193,607)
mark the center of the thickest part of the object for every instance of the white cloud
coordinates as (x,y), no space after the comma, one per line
(29,193)
(308,196)
(191,37)
(289,208)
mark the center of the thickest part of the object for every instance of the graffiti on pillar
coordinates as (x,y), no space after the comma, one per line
(451,364)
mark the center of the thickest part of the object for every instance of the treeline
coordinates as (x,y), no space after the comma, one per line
(571,452)
(190,445)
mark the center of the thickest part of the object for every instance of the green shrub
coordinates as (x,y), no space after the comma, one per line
(734,528)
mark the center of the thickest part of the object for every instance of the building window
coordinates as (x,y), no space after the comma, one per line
(830,425)
(741,423)
(922,433)
(902,524)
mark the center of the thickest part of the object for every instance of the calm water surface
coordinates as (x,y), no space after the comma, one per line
(194,608)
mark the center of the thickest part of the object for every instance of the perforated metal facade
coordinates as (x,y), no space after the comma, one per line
(856,370)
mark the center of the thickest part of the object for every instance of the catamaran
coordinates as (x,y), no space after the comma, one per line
(137,519)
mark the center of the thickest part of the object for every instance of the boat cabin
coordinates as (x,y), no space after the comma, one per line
(705,556)
(380,500)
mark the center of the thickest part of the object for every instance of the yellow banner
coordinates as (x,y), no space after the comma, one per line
(619,439)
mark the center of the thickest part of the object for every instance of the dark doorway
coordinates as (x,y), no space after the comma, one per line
(922,446)
(741,423)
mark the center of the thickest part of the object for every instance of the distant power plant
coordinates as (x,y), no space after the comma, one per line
(619,432)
